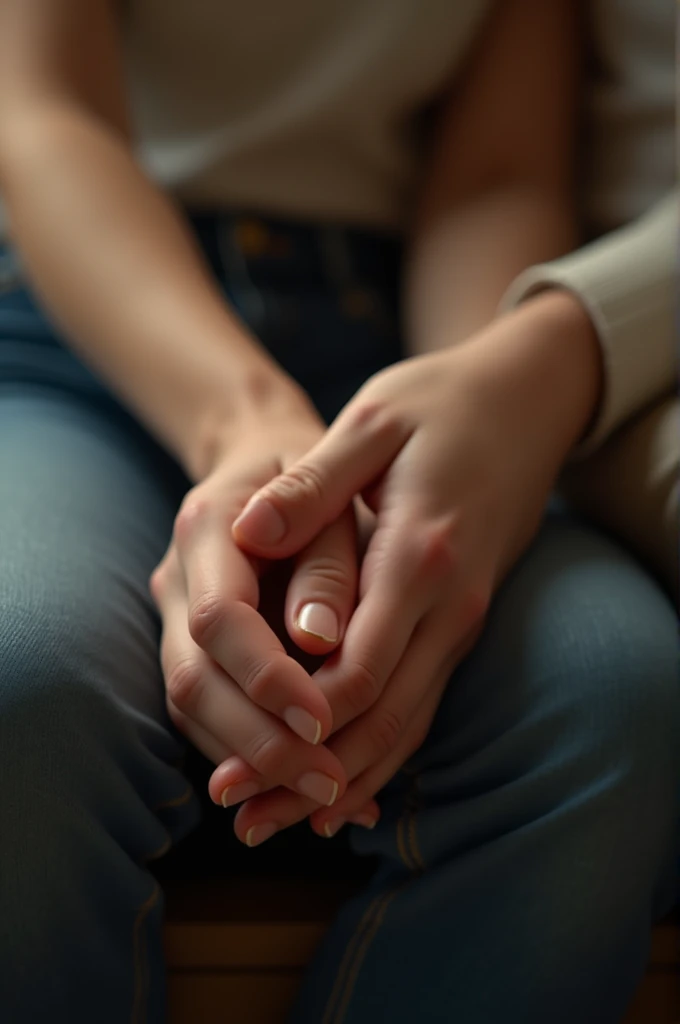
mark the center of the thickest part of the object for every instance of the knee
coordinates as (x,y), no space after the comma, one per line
(604,703)
(592,645)
(617,686)
(57,723)
(572,700)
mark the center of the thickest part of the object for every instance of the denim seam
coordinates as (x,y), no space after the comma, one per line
(367,929)
(141,982)
(413,809)
(177,801)
(355,942)
(402,848)
(160,852)
(368,938)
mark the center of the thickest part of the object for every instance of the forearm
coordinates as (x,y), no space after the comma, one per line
(464,257)
(116,266)
(544,362)
(459,272)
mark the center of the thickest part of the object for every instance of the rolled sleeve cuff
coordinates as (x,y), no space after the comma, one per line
(627,281)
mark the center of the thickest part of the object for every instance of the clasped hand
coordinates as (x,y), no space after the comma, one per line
(433,454)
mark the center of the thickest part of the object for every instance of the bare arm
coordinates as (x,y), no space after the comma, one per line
(106,250)
(498,197)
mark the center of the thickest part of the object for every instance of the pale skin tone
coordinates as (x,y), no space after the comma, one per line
(465,438)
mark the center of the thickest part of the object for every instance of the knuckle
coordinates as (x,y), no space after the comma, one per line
(193,512)
(331,572)
(362,687)
(184,683)
(259,679)
(157,581)
(207,618)
(386,730)
(302,481)
(375,418)
(267,753)
(436,552)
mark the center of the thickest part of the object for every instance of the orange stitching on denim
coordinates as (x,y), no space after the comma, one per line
(361,955)
(352,961)
(401,842)
(346,961)
(413,843)
(184,798)
(140,966)
(160,852)
(414,846)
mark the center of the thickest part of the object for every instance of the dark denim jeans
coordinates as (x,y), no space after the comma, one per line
(521,855)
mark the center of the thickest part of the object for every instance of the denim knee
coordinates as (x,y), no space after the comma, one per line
(566,716)
(76,776)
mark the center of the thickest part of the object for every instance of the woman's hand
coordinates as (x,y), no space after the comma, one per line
(456,453)
(231,687)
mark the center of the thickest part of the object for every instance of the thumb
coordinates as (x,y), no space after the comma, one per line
(322,590)
(289,511)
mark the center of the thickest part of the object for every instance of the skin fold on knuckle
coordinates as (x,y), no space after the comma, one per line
(434,551)
(268,753)
(184,683)
(361,688)
(323,574)
(194,511)
(385,730)
(208,616)
(261,678)
(374,419)
(303,482)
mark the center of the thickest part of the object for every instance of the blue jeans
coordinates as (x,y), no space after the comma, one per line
(522,854)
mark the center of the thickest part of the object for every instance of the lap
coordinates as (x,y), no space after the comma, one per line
(86,509)
(571,699)
(578,620)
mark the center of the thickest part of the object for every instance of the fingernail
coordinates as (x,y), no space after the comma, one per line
(331,827)
(305,725)
(261,523)
(239,792)
(319,620)
(257,834)
(318,787)
(365,820)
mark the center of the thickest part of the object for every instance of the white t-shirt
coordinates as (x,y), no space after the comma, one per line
(310,108)
(300,107)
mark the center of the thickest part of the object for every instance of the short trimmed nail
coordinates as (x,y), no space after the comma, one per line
(257,834)
(331,827)
(322,789)
(305,725)
(365,820)
(319,620)
(239,792)
(261,523)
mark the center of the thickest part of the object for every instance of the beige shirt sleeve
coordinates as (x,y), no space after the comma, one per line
(631,488)
(627,280)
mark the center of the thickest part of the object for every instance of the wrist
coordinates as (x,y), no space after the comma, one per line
(546,360)
(257,392)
